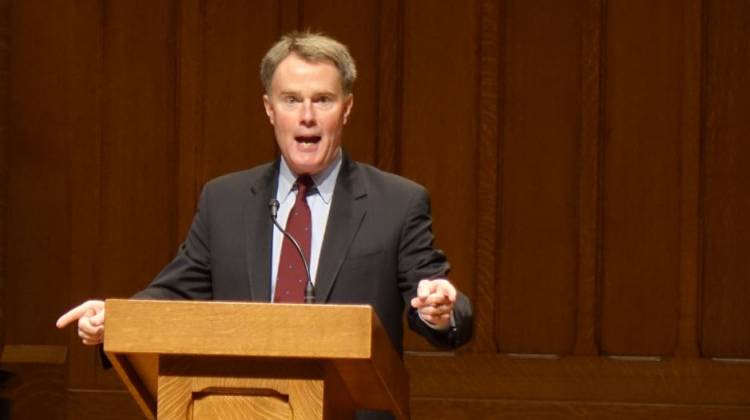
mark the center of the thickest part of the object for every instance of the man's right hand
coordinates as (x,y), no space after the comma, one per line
(90,316)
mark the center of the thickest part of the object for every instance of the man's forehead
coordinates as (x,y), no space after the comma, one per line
(295,73)
(297,64)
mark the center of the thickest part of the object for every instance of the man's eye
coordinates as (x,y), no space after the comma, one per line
(323,100)
(291,100)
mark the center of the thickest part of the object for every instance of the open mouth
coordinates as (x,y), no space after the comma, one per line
(307,139)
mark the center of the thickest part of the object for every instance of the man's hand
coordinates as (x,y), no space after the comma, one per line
(90,316)
(434,301)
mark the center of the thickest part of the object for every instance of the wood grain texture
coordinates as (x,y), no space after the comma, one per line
(137,183)
(139,373)
(4,113)
(641,178)
(581,379)
(236,132)
(537,282)
(273,341)
(238,407)
(389,85)
(726,171)
(101,405)
(304,387)
(690,223)
(560,410)
(39,393)
(589,193)
(487,180)
(208,397)
(337,400)
(38,228)
(439,146)
(85,20)
(256,329)
(31,354)
(189,102)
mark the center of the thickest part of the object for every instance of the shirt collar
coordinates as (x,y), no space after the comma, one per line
(325,181)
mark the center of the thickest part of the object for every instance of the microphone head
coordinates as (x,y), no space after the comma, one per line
(273,206)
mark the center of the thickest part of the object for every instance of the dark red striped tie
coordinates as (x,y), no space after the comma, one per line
(291,277)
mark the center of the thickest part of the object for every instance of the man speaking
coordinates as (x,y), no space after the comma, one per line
(366,235)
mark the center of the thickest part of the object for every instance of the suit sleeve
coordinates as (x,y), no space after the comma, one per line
(419,259)
(188,275)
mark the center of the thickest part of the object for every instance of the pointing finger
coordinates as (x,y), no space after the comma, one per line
(88,308)
(72,315)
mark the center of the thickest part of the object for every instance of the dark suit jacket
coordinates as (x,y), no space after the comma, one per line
(378,244)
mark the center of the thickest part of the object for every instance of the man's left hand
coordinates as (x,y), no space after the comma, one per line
(434,301)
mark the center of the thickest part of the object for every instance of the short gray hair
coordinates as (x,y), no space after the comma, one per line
(312,47)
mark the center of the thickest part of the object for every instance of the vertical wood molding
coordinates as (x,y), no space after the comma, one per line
(175,228)
(389,85)
(4,109)
(687,339)
(602,138)
(588,193)
(502,32)
(725,170)
(490,119)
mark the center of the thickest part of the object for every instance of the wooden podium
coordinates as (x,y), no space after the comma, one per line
(225,360)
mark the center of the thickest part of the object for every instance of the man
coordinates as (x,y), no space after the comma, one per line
(366,233)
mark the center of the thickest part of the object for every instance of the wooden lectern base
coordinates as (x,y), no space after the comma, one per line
(242,388)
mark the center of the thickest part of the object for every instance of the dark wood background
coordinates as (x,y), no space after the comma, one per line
(588,161)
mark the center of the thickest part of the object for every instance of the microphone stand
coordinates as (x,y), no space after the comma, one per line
(273,206)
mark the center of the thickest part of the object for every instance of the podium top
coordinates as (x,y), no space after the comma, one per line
(241,329)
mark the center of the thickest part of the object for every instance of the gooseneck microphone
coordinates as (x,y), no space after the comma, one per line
(273,207)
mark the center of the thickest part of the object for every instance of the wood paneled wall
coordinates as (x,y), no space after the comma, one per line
(4,103)
(588,162)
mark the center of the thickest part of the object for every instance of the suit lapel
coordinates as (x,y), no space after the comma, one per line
(347,212)
(259,233)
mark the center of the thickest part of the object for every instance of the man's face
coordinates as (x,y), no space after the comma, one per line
(308,110)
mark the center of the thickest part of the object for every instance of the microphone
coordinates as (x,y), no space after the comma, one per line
(273,207)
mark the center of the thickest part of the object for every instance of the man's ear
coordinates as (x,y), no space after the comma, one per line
(348,104)
(269,108)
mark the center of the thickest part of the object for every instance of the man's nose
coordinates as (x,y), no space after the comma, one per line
(307,114)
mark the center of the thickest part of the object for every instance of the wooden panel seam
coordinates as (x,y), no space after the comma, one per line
(591,67)
(389,85)
(687,341)
(487,178)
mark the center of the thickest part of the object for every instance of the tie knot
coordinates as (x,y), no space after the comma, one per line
(304,184)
